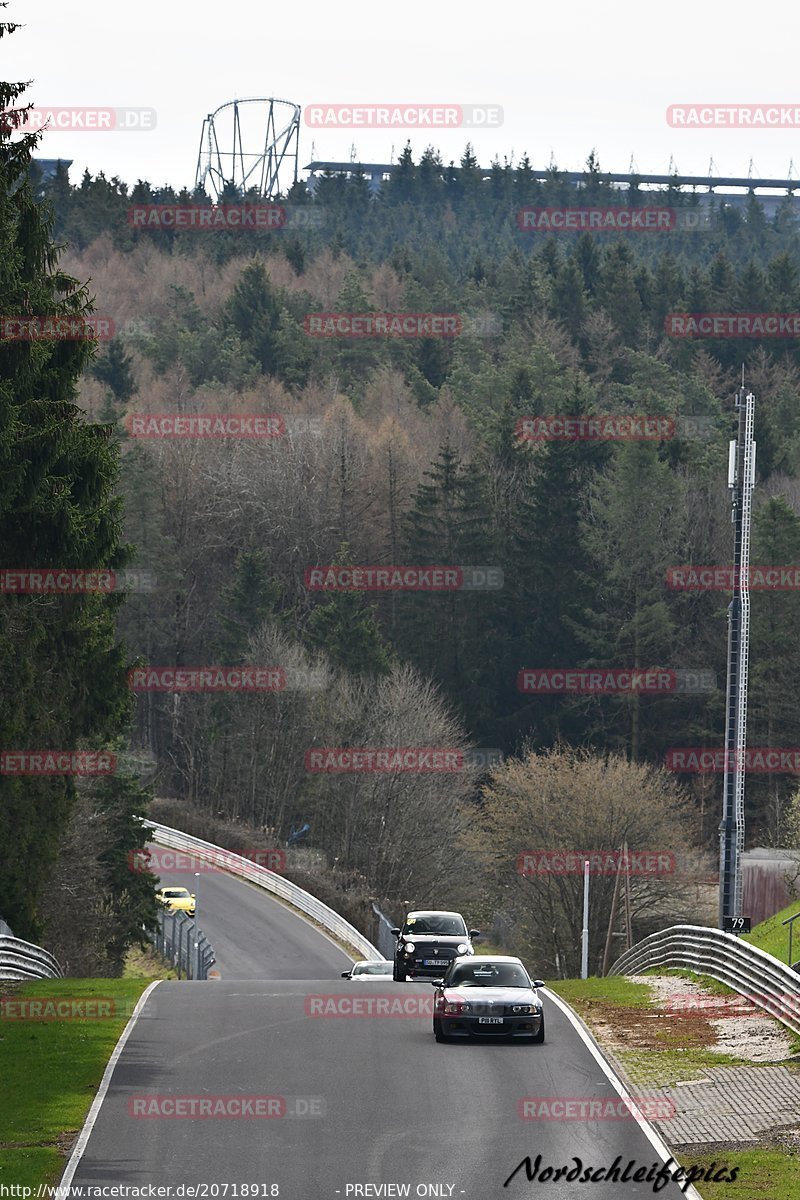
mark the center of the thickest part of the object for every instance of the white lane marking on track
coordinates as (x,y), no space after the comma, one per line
(97,1103)
(656,1141)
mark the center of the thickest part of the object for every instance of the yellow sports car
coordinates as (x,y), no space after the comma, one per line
(176,899)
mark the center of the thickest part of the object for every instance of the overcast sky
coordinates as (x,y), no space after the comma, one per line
(568,76)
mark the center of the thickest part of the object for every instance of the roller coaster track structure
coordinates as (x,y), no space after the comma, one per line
(248,146)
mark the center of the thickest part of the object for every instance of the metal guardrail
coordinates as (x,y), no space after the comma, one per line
(235,864)
(23,960)
(767,982)
(180,940)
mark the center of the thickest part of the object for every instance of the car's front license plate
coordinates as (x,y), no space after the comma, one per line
(490,1020)
(434,962)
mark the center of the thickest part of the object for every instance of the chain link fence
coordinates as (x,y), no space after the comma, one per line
(180,940)
(385,941)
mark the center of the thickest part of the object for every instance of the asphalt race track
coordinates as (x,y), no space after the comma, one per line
(358,1101)
(251,935)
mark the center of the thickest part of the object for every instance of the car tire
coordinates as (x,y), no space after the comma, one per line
(538,1038)
(398,975)
(437,1032)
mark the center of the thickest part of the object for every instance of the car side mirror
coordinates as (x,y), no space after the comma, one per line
(436,982)
(396,932)
(346,975)
(474,933)
(537,983)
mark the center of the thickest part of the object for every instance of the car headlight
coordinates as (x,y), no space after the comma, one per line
(409,947)
(456,1007)
(462,949)
(522,1008)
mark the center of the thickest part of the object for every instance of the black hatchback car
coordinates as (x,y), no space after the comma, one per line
(428,943)
(488,997)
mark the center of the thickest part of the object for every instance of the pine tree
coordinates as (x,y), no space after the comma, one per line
(114,369)
(254,310)
(774,664)
(252,597)
(344,625)
(549,585)
(445,633)
(634,528)
(57,510)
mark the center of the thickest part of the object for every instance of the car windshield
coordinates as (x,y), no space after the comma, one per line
(372,969)
(445,926)
(175,892)
(489,975)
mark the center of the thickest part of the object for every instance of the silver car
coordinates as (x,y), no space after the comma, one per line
(371,969)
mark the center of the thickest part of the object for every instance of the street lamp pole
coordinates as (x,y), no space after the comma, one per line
(585,932)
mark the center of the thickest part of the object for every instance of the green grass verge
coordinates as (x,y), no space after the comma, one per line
(773,936)
(50,1071)
(763,1174)
(613,989)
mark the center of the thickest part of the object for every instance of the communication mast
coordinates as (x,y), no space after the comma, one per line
(249,145)
(741,480)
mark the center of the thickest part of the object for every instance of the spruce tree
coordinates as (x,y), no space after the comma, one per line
(64,669)
(345,627)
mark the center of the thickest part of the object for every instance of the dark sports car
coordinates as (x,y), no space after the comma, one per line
(488,997)
(428,943)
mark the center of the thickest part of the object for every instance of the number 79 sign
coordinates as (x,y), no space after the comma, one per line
(736,924)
